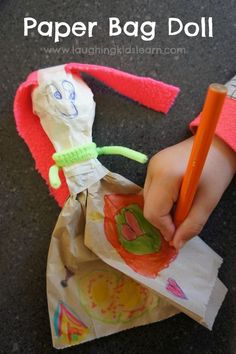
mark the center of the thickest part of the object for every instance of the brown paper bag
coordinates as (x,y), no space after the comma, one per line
(87,298)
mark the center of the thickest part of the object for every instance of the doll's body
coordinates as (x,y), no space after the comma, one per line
(76,278)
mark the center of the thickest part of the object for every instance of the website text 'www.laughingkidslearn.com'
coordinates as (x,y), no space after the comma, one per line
(114,50)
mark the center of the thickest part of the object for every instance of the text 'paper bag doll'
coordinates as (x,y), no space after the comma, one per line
(108,268)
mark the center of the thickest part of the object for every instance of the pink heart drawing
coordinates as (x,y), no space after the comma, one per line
(175,289)
(131,230)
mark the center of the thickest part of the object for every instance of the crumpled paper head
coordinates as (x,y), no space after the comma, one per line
(64,103)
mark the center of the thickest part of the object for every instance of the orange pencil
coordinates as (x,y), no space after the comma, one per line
(202,141)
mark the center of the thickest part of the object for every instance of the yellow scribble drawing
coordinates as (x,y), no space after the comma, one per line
(110,296)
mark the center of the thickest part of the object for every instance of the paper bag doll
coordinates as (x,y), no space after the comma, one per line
(108,268)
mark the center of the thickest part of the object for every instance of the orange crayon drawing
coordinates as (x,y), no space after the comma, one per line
(139,243)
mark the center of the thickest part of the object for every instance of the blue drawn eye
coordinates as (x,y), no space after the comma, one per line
(69,89)
(57,95)
(72,96)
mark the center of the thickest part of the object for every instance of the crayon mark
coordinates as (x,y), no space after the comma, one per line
(139,243)
(68,327)
(110,296)
(175,289)
(69,274)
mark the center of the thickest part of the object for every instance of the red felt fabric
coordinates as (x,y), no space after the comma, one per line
(226,127)
(151,93)
(30,129)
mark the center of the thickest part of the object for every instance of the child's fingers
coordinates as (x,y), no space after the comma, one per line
(158,203)
(198,216)
(191,227)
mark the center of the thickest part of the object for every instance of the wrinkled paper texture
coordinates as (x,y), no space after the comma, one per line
(101,299)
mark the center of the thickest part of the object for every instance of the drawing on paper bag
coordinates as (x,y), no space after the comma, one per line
(139,243)
(68,327)
(110,296)
(175,289)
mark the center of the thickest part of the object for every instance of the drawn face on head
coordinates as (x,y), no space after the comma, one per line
(66,108)
(62,97)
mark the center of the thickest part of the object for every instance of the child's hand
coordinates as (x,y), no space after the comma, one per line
(163,181)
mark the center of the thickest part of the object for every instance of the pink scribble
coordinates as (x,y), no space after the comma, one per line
(175,289)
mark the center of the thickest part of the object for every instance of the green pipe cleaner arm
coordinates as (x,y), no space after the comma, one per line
(87,152)
(123,151)
(54,177)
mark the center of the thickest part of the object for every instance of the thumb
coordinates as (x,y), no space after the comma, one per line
(194,222)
